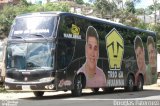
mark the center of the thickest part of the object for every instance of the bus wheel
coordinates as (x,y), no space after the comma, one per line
(38,93)
(140,83)
(77,91)
(95,90)
(130,84)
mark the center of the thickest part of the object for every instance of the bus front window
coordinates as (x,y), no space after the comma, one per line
(29,56)
(39,55)
(33,26)
(16,55)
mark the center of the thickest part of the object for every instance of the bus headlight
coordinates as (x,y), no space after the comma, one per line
(9,80)
(47,79)
(49,86)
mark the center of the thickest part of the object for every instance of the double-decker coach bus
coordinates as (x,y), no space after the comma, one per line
(58,51)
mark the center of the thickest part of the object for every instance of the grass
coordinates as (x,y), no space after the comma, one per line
(2,89)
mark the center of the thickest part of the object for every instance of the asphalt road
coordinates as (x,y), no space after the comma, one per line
(149,97)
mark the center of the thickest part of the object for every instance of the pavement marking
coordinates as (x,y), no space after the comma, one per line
(97,99)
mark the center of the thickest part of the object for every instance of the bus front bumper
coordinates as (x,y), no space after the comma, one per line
(30,87)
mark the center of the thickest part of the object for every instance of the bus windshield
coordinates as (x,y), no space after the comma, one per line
(28,26)
(30,56)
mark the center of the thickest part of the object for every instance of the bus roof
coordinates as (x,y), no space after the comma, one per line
(111,22)
(38,14)
(88,17)
(107,21)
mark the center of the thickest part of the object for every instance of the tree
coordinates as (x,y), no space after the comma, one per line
(79,1)
(9,11)
(61,6)
(130,6)
(155,28)
(6,17)
(155,7)
(119,3)
(105,7)
(155,10)
(24,2)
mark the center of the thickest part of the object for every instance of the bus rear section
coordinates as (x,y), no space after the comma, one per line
(123,56)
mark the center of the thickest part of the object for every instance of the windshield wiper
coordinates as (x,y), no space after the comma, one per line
(31,64)
(19,37)
(12,68)
(40,35)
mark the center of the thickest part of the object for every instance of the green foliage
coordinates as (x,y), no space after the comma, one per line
(142,25)
(105,7)
(79,1)
(62,6)
(156,28)
(24,2)
(130,7)
(9,12)
(127,14)
(6,18)
(139,11)
(2,89)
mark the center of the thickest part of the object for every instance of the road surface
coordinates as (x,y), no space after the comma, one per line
(149,97)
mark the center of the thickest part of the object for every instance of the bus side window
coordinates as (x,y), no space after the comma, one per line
(65,52)
(68,21)
(61,54)
(65,25)
(83,25)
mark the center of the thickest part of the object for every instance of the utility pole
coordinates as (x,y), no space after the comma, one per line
(144,14)
(155,10)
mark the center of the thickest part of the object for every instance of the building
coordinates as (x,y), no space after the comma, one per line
(9,1)
(3,2)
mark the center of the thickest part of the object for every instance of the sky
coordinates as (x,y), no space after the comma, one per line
(144,3)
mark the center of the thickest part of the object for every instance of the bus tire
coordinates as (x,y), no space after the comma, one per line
(130,84)
(38,93)
(77,90)
(95,90)
(140,83)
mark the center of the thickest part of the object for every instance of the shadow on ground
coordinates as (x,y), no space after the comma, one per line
(117,94)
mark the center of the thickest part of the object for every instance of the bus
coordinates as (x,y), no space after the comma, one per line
(60,51)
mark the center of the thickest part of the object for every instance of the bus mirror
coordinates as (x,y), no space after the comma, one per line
(52,51)
(10,51)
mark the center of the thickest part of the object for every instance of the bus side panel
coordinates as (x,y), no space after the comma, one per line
(65,54)
(112,39)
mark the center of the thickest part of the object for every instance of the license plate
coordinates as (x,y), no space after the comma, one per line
(26,87)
